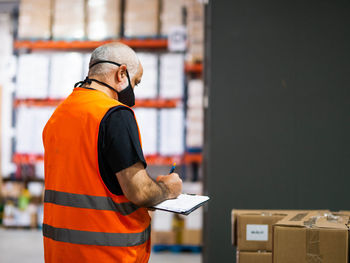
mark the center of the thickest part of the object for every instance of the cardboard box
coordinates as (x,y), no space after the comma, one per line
(192,232)
(254,257)
(307,237)
(254,230)
(103,19)
(68,19)
(34,19)
(192,237)
(195,30)
(141,18)
(162,228)
(163,237)
(236,212)
(171,15)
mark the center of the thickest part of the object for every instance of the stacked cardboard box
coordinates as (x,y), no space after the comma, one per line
(305,237)
(193,223)
(192,232)
(141,18)
(21,203)
(171,15)
(162,228)
(291,236)
(34,19)
(253,257)
(103,19)
(68,19)
(195,30)
(252,234)
(195,114)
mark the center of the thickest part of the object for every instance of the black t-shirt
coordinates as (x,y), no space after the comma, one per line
(119,146)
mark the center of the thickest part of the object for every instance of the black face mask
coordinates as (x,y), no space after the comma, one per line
(126,96)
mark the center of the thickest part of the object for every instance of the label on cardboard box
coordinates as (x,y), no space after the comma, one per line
(257,232)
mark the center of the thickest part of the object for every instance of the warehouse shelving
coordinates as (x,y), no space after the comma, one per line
(29,166)
(142,103)
(187,158)
(81,45)
(157,43)
(154,44)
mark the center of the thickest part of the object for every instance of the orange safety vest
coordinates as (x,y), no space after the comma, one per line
(83,220)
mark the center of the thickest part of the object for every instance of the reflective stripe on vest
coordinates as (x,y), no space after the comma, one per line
(96,238)
(88,201)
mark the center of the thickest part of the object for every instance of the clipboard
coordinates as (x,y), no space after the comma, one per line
(184,204)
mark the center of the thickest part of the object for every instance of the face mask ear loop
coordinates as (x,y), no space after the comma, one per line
(82,83)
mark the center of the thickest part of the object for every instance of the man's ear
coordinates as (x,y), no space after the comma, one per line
(121,73)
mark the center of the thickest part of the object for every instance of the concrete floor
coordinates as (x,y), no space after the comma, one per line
(25,246)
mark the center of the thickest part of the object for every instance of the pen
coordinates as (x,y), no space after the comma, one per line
(172,169)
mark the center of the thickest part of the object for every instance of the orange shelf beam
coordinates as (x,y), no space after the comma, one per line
(144,103)
(157,103)
(194,68)
(163,160)
(20,158)
(88,44)
(37,102)
(193,158)
(188,158)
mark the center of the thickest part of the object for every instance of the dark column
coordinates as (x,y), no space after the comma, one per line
(278,121)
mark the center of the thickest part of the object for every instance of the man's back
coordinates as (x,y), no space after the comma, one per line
(83,220)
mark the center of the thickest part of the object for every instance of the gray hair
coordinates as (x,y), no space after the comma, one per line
(116,52)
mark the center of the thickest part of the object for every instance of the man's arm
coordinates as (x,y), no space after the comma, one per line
(143,191)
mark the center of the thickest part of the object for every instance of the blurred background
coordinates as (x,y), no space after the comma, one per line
(249,98)
(45,49)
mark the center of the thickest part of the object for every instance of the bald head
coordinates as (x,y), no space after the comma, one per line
(116,52)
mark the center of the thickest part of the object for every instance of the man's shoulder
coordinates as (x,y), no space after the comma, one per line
(119,113)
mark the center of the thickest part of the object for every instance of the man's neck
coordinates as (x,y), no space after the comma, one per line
(110,93)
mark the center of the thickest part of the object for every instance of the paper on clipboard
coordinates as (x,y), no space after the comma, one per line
(183,204)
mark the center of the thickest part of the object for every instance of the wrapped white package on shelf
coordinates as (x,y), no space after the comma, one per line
(68,19)
(39,170)
(35,188)
(162,221)
(141,18)
(147,89)
(66,70)
(6,38)
(41,116)
(195,93)
(171,15)
(103,19)
(194,221)
(86,61)
(9,217)
(34,20)
(147,121)
(171,131)
(195,131)
(24,130)
(194,139)
(171,76)
(30,124)
(40,212)
(32,78)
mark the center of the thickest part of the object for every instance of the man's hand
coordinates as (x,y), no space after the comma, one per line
(173,183)
(143,191)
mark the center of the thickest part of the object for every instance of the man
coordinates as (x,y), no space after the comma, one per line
(96,187)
